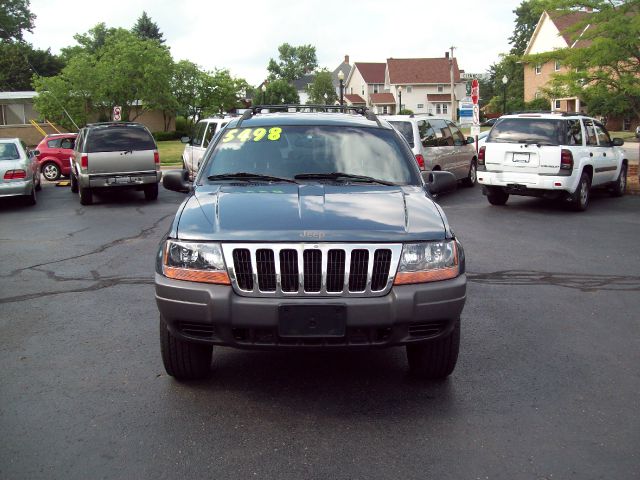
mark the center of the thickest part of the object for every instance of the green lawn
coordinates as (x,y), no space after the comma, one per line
(171,152)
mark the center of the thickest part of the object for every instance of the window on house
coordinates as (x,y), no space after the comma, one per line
(557,66)
(408,88)
(376,88)
(440,88)
(557,104)
(421,105)
(445,108)
(438,109)
(351,90)
(536,95)
(362,89)
(538,69)
(384,110)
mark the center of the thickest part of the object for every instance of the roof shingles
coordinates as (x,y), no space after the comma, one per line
(408,71)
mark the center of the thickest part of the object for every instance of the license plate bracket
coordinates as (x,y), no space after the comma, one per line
(521,157)
(312,320)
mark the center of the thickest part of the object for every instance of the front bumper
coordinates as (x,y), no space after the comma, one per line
(15,188)
(214,314)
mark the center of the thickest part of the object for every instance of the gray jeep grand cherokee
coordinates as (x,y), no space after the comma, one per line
(309,230)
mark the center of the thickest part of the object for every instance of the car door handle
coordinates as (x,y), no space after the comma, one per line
(604,154)
(591,154)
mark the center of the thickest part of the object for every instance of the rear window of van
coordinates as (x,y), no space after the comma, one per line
(118,139)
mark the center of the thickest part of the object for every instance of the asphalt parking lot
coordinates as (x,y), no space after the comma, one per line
(546,386)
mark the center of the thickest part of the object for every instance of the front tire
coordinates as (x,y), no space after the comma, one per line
(184,360)
(620,185)
(497,196)
(435,360)
(151,192)
(582,194)
(51,171)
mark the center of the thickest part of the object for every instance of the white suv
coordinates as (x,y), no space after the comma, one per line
(197,144)
(550,155)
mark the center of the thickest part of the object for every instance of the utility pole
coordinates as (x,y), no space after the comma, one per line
(453,94)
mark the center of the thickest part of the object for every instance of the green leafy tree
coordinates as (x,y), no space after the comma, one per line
(90,42)
(15,17)
(322,90)
(604,70)
(222,92)
(134,73)
(294,62)
(146,28)
(20,61)
(188,84)
(527,15)
(280,92)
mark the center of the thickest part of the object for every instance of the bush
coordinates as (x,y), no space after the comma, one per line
(163,136)
(405,111)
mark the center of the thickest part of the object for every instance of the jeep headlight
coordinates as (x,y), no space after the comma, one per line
(194,262)
(427,262)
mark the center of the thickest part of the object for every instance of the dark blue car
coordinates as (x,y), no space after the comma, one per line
(310,230)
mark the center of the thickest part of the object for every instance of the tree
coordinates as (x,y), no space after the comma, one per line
(321,90)
(146,28)
(90,42)
(15,17)
(604,70)
(294,62)
(20,61)
(221,92)
(280,92)
(188,86)
(527,16)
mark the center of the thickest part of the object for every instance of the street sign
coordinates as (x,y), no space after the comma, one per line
(475,131)
(476,115)
(475,91)
(117,113)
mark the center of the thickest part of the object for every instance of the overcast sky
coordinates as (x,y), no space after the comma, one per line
(242,36)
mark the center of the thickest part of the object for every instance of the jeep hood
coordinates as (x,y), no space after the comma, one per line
(310,213)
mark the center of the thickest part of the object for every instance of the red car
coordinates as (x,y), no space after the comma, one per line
(54,153)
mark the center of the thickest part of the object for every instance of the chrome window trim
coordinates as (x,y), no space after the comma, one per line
(395,248)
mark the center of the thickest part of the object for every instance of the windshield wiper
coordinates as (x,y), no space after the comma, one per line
(249,176)
(341,176)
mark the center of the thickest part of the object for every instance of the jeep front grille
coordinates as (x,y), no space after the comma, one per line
(325,269)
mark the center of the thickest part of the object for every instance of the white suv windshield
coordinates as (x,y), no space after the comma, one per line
(288,151)
(527,130)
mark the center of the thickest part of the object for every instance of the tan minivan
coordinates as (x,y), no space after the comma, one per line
(438,144)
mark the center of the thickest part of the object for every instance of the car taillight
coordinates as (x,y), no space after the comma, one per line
(420,160)
(15,174)
(566,160)
(156,157)
(481,155)
(84,161)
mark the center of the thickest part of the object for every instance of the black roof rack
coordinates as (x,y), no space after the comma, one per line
(364,111)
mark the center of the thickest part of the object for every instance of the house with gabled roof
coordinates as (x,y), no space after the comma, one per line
(365,79)
(426,84)
(554,31)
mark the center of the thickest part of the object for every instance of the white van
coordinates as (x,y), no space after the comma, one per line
(196,144)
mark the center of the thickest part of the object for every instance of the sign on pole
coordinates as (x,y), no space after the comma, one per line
(475,97)
(117,113)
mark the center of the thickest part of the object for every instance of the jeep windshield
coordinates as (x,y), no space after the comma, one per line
(313,153)
(538,131)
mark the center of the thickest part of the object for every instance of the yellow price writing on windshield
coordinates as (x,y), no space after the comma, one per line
(252,134)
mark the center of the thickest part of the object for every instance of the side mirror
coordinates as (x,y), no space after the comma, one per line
(185,139)
(471,140)
(177,181)
(617,142)
(439,182)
